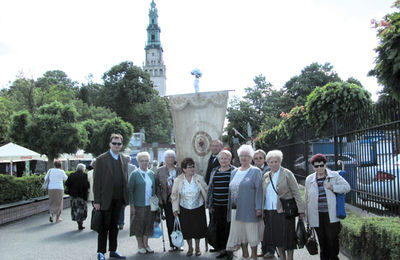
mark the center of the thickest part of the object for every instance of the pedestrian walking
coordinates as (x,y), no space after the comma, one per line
(56,177)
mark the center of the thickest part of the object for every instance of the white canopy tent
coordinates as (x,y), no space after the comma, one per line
(11,152)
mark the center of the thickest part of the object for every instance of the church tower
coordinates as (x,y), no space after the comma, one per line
(154,63)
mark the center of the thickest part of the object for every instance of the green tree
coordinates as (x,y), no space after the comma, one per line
(125,86)
(155,118)
(387,68)
(53,130)
(342,96)
(312,76)
(99,133)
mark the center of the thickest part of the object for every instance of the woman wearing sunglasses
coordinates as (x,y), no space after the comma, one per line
(321,189)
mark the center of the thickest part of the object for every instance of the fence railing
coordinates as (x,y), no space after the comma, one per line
(368,144)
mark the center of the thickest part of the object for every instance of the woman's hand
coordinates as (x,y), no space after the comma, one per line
(96,206)
(175,213)
(301,216)
(258,212)
(211,210)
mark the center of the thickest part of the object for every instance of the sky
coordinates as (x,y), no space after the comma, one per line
(229,41)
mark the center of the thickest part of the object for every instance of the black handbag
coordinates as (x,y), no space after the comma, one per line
(289,206)
(212,232)
(96,221)
(311,243)
(301,234)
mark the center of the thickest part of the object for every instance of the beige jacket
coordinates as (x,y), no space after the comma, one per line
(286,188)
(162,183)
(177,187)
(339,185)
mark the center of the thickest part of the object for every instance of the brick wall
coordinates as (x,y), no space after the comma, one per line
(20,210)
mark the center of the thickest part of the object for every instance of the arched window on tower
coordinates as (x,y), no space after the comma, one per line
(151,72)
(161,72)
(153,37)
(152,21)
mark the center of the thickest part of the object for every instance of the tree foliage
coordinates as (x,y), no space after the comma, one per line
(125,86)
(338,97)
(387,63)
(312,76)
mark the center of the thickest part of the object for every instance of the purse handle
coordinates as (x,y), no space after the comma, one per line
(177,224)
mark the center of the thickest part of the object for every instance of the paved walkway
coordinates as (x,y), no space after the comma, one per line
(36,238)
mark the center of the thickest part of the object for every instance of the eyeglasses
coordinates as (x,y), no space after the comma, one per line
(189,166)
(115,143)
(258,158)
(319,166)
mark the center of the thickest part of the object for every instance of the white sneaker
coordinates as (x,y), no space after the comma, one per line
(149,250)
(142,251)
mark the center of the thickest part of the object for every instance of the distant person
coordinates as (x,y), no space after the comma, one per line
(321,189)
(217,199)
(165,178)
(78,186)
(110,194)
(90,179)
(188,197)
(216,147)
(154,166)
(56,178)
(142,186)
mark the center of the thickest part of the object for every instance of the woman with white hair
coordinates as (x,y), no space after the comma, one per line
(77,185)
(165,178)
(141,185)
(245,204)
(279,184)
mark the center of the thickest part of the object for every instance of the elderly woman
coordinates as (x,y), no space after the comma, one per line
(78,186)
(245,204)
(56,178)
(165,178)
(142,186)
(321,187)
(217,199)
(259,161)
(189,193)
(280,184)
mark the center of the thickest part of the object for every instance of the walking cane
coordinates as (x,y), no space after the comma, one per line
(162,228)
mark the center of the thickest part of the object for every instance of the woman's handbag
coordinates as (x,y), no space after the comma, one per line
(45,185)
(211,234)
(176,235)
(301,234)
(341,201)
(311,243)
(289,206)
(154,203)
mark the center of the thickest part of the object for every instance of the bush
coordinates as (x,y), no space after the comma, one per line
(371,237)
(13,189)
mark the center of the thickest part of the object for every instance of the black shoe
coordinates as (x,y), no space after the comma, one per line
(100,256)
(229,255)
(115,254)
(80,226)
(213,250)
(222,254)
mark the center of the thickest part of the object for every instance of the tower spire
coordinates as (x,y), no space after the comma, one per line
(154,64)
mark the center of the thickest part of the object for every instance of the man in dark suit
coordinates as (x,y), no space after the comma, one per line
(110,188)
(216,147)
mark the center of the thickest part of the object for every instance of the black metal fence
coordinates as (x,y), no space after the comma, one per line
(368,145)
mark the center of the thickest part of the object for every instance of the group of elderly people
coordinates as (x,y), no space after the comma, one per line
(245,203)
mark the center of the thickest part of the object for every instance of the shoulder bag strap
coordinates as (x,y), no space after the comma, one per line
(273,186)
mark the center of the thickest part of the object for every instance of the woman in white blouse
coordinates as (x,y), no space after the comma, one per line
(56,178)
(189,193)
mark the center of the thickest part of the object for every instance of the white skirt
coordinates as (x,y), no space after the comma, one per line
(244,232)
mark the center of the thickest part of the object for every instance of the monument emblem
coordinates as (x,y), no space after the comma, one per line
(201,143)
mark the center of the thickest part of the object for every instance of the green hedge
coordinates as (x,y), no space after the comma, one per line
(371,238)
(13,189)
